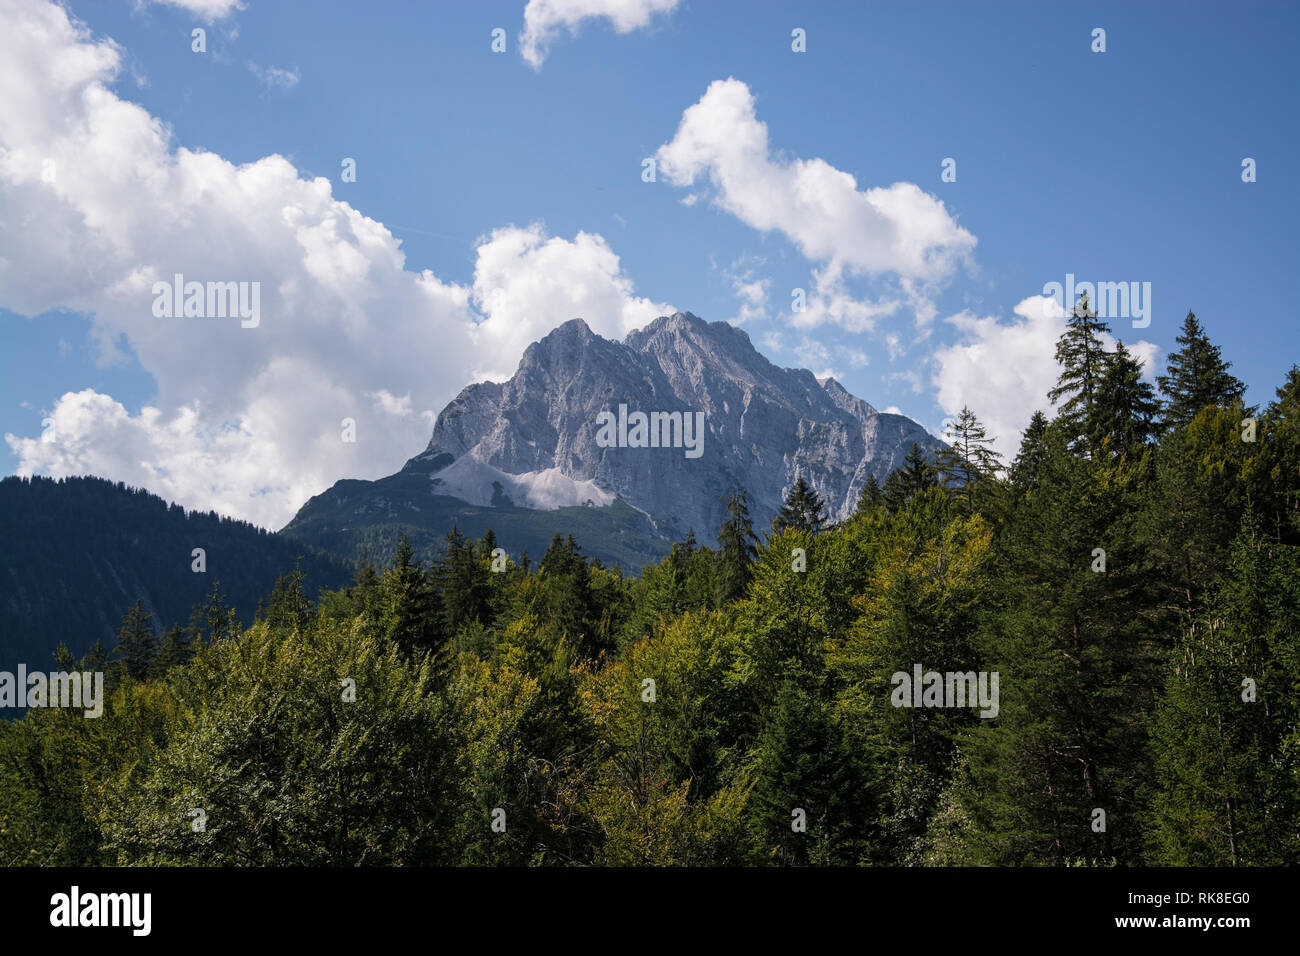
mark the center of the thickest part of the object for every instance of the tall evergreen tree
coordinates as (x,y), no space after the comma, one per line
(737,548)
(919,475)
(1124,415)
(895,493)
(1079,665)
(288,607)
(563,596)
(95,659)
(177,648)
(871,498)
(1225,792)
(1029,460)
(1083,361)
(969,460)
(221,620)
(1196,376)
(410,608)
(803,509)
(136,643)
(463,581)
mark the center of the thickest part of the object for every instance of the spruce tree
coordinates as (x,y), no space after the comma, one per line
(895,493)
(1196,376)
(1125,412)
(95,659)
(462,576)
(969,460)
(136,644)
(1079,663)
(410,610)
(288,607)
(737,548)
(176,649)
(871,498)
(1028,462)
(803,510)
(1226,726)
(221,620)
(1083,361)
(919,475)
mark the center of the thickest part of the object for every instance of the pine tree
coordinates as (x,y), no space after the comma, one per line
(1196,376)
(462,577)
(969,460)
(409,617)
(177,649)
(803,510)
(1083,362)
(221,620)
(1076,641)
(562,594)
(1125,410)
(737,548)
(95,659)
(918,474)
(288,607)
(136,643)
(871,498)
(1225,793)
(1029,460)
(895,493)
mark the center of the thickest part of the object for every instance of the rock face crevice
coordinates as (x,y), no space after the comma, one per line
(764,426)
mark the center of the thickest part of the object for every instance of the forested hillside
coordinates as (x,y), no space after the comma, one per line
(77,552)
(1132,577)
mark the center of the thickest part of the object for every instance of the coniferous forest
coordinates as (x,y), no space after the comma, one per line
(1132,577)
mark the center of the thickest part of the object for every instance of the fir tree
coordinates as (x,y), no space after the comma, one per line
(1196,377)
(221,620)
(462,579)
(803,510)
(136,643)
(895,493)
(871,498)
(969,460)
(918,474)
(409,617)
(1124,416)
(176,650)
(95,659)
(288,606)
(1025,468)
(1083,362)
(737,548)
(1223,797)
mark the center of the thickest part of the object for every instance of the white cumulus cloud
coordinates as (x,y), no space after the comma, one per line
(899,230)
(544,20)
(207,10)
(97,203)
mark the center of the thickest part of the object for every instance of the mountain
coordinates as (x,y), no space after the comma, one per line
(555,449)
(76,553)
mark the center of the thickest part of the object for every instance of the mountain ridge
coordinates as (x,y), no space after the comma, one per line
(532,442)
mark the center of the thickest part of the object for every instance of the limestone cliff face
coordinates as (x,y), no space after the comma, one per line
(533,439)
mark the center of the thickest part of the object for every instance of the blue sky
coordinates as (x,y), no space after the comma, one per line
(1115,166)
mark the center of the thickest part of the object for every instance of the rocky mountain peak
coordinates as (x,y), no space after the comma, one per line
(533,441)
